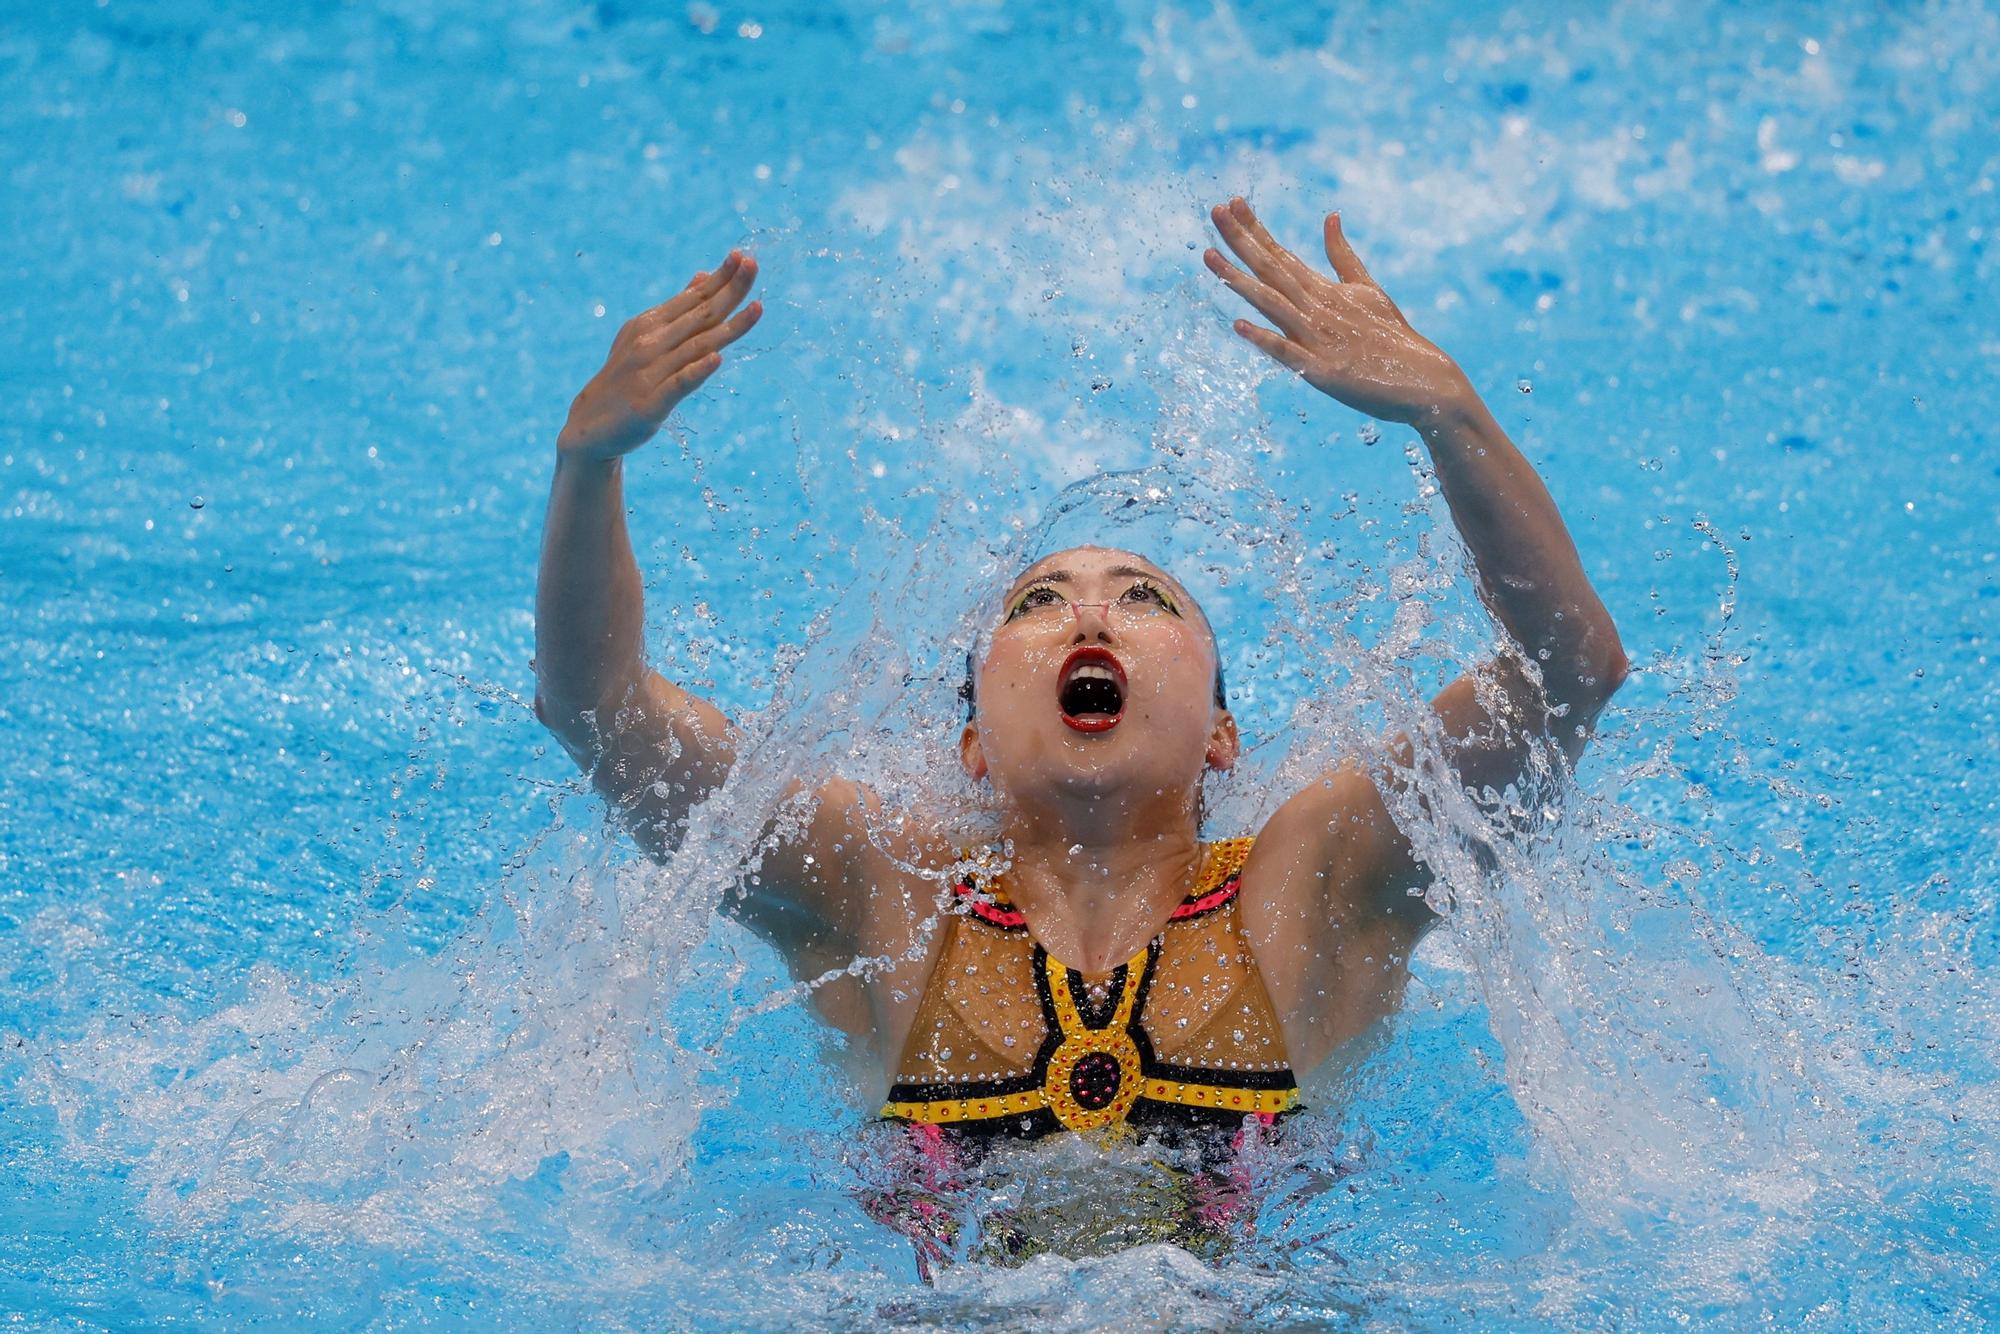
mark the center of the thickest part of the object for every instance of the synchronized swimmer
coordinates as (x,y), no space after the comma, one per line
(1116,971)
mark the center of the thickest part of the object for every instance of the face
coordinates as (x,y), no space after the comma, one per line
(1099,675)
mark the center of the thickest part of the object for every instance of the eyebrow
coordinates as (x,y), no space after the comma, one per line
(1065,577)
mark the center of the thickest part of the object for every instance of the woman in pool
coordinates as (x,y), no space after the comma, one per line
(1117,969)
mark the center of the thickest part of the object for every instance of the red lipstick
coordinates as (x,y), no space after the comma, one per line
(1090,690)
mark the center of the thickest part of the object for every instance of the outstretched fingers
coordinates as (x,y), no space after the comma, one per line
(685,381)
(1303,275)
(1242,228)
(1345,262)
(1279,348)
(1272,304)
(705,345)
(707,312)
(700,288)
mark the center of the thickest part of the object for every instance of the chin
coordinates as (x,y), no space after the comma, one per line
(1104,764)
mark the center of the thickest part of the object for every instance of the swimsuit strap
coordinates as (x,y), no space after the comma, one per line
(1219,881)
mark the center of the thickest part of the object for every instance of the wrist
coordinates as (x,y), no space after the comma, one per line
(578,467)
(574,448)
(1456,411)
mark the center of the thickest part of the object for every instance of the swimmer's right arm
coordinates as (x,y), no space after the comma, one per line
(652,749)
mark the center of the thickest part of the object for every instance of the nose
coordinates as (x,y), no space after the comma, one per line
(1093,621)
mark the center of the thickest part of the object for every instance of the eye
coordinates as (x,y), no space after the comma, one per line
(1147,593)
(1037,597)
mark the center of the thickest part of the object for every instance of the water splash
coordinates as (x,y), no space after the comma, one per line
(1646,1050)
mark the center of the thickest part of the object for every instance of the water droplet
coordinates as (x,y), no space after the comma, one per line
(1525,386)
(1369,433)
(196,503)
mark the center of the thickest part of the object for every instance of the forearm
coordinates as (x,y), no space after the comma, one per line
(1530,576)
(590,609)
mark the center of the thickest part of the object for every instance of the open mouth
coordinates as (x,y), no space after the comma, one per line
(1091,690)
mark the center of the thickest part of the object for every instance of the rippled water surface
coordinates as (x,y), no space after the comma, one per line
(325,995)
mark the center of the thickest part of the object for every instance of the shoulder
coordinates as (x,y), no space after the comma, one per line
(1330,823)
(1326,913)
(1332,855)
(896,865)
(837,870)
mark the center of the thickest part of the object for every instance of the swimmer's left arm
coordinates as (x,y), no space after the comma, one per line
(1347,338)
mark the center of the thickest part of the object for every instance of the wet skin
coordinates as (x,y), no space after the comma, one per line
(1103,822)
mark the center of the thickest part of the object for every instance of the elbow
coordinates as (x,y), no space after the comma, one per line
(568,704)
(1600,667)
(573,728)
(553,713)
(1617,667)
(1607,670)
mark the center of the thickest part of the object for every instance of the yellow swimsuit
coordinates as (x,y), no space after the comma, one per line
(1008,1041)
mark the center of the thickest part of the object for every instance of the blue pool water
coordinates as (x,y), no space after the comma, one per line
(324,996)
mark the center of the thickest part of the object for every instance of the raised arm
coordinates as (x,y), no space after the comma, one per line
(652,749)
(1347,338)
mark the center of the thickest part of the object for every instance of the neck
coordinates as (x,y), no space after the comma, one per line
(1097,877)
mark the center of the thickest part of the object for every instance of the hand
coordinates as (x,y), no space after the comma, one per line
(1343,334)
(658,358)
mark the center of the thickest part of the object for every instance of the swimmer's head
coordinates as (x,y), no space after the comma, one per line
(1101,668)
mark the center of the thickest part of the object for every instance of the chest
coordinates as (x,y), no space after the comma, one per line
(1007,1040)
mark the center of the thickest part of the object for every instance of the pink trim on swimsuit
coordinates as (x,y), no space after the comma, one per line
(998,912)
(990,910)
(1210,901)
